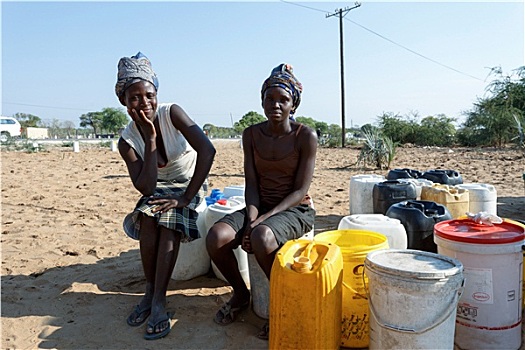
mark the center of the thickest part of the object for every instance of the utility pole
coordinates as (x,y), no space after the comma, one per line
(340,12)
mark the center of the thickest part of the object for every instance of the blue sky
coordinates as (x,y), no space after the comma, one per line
(59,59)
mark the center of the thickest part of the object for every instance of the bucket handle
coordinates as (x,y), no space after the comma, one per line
(452,306)
(347,286)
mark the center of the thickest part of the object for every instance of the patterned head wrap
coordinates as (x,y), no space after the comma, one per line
(282,76)
(132,70)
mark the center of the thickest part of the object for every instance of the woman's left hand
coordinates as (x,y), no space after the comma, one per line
(166,203)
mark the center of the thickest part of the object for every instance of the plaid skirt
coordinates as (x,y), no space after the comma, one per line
(177,219)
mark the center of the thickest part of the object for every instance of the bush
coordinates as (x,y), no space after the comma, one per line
(378,150)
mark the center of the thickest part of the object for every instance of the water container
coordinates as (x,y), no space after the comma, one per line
(404,173)
(455,199)
(306,296)
(386,193)
(233,191)
(361,188)
(392,228)
(355,245)
(446,177)
(419,183)
(193,259)
(413,297)
(217,211)
(259,284)
(489,310)
(419,218)
(482,197)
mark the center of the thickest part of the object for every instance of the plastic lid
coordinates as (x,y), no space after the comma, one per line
(467,231)
(222,202)
(416,264)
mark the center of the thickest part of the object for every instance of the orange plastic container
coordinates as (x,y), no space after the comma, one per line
(306,296)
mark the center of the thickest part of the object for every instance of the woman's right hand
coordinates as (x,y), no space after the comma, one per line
(144,124)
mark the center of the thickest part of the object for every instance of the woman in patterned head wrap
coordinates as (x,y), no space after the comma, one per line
(279,161)
(168,159)
(282,76)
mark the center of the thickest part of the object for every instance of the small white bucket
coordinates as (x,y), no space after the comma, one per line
(361,190)
(412,297)
(217,211)
(193,259)
(233,191)
(392,228)
(489,311)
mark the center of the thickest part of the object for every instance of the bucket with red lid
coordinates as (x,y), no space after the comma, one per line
(489,310)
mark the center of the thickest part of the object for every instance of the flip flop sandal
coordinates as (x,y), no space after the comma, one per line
(264,333)
(138,314)
(228,314)
(161,334)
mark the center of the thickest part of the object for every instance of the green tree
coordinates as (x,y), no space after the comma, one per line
(334,136)
(399,129)
(28,120)
(93,120)
(435,131)
(322,127)
(250,118)
(495,119)
(307,121)
(113,119)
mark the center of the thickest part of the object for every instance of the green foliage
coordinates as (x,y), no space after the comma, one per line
(28,120)
(93,120)
(435,131)
(333,137)
(399,129)
(250,118)
(218,131)
(492,121)
(307,121)
(113,119)
(378,150)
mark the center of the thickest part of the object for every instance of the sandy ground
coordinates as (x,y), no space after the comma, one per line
(70,276)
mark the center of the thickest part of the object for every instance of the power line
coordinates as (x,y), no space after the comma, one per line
(414,52)
(41,106)
(391,41)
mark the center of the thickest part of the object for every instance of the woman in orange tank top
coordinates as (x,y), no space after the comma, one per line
(279,161)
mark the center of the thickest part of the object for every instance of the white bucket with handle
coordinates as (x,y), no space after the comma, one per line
(413,296)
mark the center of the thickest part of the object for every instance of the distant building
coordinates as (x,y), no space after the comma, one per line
(37,133)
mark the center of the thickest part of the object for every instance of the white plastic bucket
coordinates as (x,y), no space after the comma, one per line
(217,211)
(413,297)
(482,197)
(234,191)
(193,259)
(361,190)
(489,311)
(392,228)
